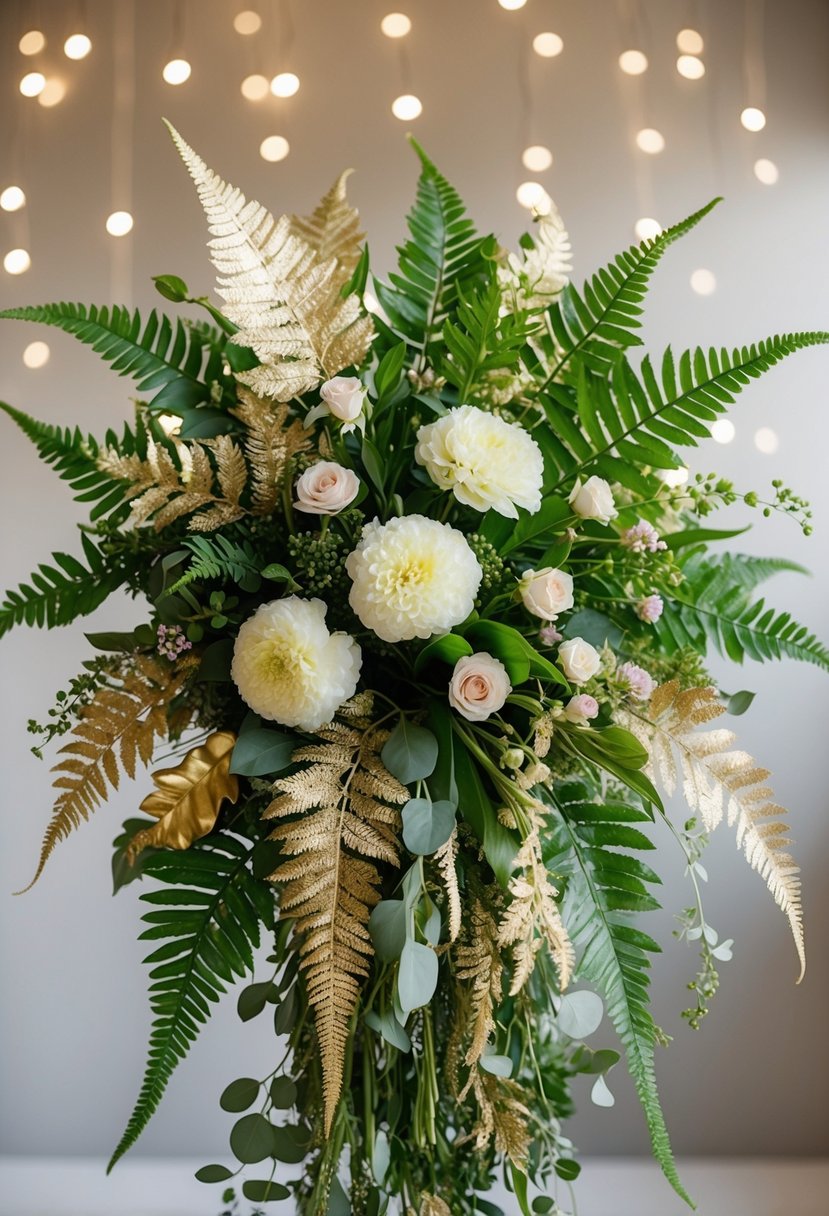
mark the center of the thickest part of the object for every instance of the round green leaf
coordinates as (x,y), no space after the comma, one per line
(499,1066)
(410,752)
(239,1095)
(264,1191)
(213,1173)
(252,1000)
(380,1157)
(290,1143)
(283,1092)
(543,1204)
(427,825)
(252,1139)
(387,926)
(600,1094)
(417,976)
(260,752)
(579,1013)
(567,1169)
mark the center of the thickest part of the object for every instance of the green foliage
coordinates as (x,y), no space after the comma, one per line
(219,559)
(207,917)
(479,341)
(176,359)
(58,594)
(598,323)
(631,420)
(714,604)
(605,888)
(442,261)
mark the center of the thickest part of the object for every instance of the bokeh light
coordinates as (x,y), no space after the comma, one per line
(274,148)
(36,355)
(536,158)
(407,107)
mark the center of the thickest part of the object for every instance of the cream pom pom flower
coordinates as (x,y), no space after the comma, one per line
(289,668)
(412,577)
(483,460)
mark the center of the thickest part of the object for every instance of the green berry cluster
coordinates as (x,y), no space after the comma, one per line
(494,570)
(318,564)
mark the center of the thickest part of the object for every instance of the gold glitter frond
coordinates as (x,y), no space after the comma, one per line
(121,722)
(270,442)
(189,796)
(445,860)
(433,1205)
(533,917)
(478,963)
(333,231)
(504,1114)
(338,816)
(284,298)
(717,782)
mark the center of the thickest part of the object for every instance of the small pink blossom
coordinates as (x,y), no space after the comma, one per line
(171,641)
(636,681)
(642,538)
(649,609)
(549,635)
(581,709)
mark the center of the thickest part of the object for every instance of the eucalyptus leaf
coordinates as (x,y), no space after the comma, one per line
(216,660)
(264,1191)
(410,752)
(579,1013)
(251,1139)
(568,1169)
(738,702)
(252,1000)
(387,926)
(262,752)
(417,976)
(389,1029)
(427,825)
(594,627)
(600,1095)
(239,1095)
(431,927)
(290,1143)
(213,1173)
(285,1015)
(283,1093)
(499,1066)
(380,1157)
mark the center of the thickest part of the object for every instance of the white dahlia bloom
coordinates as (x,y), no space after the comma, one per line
(289,668)
(483,460)
(412,577)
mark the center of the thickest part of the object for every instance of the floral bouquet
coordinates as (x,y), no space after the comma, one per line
(424,609)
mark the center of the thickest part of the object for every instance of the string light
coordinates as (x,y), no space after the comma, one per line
(32,43)
(766,440)
(690,67)
(274,148)
(633,63)
(396,25)
(285,84)
(52,93)
(532,195)
(36,355)
(176,71)
(753,119)
(247,22)
(16,261)
(689,42)
(512,5)
(536,158)
(32,84)
(548,45)
(77,46)
(12,199)
(646,228)
(765,171)
(255,88)
(119,223)
(407,107)
(650,140)
(703,282)
(723,430)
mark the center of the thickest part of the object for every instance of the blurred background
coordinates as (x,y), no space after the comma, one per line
(631,115)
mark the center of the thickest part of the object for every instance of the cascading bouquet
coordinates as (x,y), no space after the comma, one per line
(424,620)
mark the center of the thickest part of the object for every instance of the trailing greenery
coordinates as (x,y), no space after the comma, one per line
(208,916)
(218,558)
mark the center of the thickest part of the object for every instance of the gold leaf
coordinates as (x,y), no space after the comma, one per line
(328,885)
(718,782)
(122,722)
(333,231)
(478,961)
(270,442)
(445,862)
(433,1205)
(189,796)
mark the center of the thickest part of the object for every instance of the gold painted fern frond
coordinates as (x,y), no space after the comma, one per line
(121,723)
(338,817)
(270,441)
(283,297)
(533,917)
(478,963)
(445,860)
(333,231)
(504,1115)
(717,782)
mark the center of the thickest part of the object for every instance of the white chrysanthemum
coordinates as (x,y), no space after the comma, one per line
(289,668)
(412,577)
(483,460)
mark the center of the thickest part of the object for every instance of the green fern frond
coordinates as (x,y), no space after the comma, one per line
(442,261)
(219,559)
(171,357)
(58,594)
(605,888)
(599,323)
(206,918)
(480,341)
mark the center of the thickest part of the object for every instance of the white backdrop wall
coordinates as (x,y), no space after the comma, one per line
(75,1019)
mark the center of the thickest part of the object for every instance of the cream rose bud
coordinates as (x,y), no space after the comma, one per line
(547,592)
(326,488)
(593,500)
(578,660)
(581,709)
(344,396)
(479,686)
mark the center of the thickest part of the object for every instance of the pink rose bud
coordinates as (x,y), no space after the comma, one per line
(636,681)
(326,488)
(344,396)
(649,609)
(546,592)
(581,709)
(479,686)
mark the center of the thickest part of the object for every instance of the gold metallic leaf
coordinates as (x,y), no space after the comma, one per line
(189,796)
